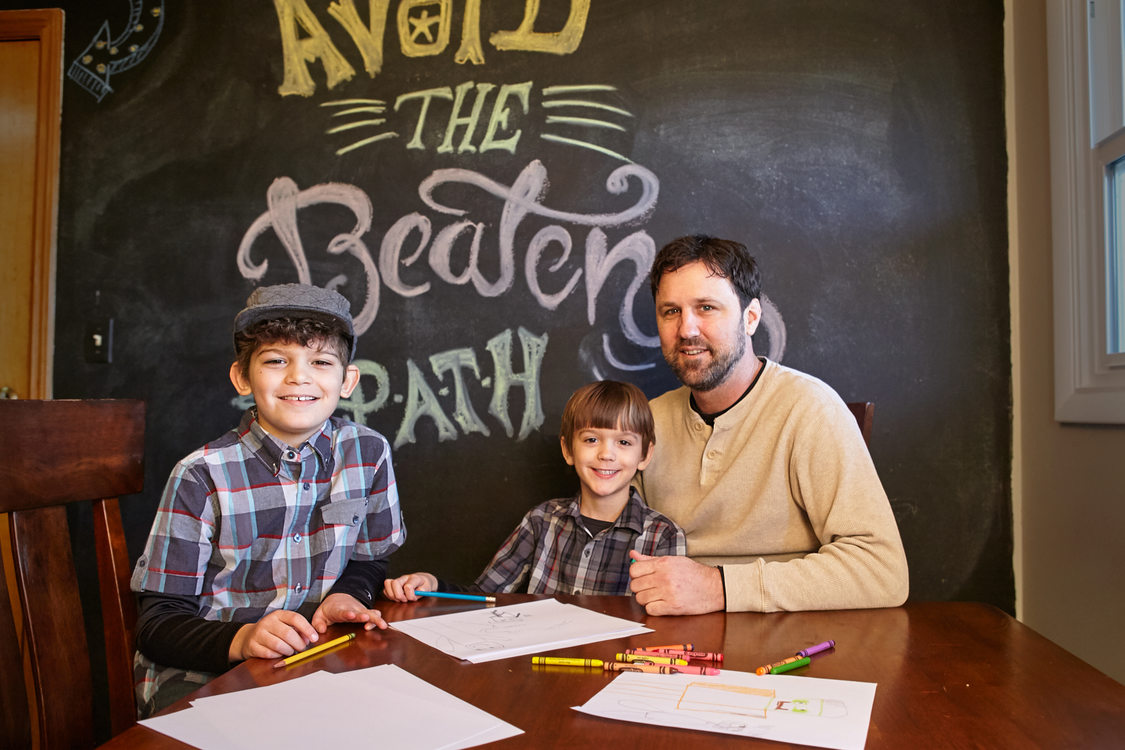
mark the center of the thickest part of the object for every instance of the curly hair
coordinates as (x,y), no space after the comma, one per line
(304,331)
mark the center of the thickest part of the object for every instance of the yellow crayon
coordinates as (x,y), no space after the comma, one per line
(566,661)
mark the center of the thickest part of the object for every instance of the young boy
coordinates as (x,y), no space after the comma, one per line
(580,545)
(282,526)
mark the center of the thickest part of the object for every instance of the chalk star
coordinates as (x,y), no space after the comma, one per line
(421,25)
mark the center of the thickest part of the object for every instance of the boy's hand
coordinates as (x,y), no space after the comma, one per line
(402,589)
(280,633)
(346,608)
(675,585)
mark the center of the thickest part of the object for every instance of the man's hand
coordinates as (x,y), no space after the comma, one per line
(346,608)
(675,585)
(280,633)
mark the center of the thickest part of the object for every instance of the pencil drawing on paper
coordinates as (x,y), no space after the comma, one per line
(727,706)
(495,633)
(493,629)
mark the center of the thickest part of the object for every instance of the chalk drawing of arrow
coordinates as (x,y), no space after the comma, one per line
(105,57)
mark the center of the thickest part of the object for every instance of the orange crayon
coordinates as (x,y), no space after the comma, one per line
(766,669)
(619,666)
(702,655)
(636,654)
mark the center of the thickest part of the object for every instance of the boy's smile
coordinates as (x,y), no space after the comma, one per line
(296,388)
(606,461)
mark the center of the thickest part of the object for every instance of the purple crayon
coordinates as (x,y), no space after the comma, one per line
(816,649)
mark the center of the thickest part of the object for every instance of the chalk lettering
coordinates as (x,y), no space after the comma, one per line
(559,43)
(424,29)
(523,199)
(454,362)
(505,378)
(499,117)
(568,117)
(303,40)
(421,401)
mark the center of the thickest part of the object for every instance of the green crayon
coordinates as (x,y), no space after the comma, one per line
(803,661)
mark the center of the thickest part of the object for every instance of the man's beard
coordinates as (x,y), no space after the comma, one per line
(711,376)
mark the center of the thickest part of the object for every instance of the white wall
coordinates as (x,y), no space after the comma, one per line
(1068,482)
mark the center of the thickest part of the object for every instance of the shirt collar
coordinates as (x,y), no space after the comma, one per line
(269,449)
(711,418)
(631,517)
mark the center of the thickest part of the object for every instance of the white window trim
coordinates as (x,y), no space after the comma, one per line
(1089,386)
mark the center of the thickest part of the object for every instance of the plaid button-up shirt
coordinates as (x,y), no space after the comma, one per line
(551,551)
(250,526)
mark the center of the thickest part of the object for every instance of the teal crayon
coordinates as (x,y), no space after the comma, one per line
(801,662)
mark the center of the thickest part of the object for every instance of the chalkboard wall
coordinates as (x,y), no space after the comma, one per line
(487,185)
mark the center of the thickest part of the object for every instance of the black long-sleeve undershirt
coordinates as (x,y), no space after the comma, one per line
(171,632)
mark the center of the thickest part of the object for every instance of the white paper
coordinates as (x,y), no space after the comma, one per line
(486,634)
(323,709)
(801,710)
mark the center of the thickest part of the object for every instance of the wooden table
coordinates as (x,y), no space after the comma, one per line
(949,674)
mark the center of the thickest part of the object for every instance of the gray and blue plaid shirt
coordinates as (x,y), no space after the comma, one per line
(551,551)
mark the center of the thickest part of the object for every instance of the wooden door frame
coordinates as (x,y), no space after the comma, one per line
(45,26)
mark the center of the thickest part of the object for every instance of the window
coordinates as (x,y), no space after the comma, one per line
(1115,260)
(1087,94)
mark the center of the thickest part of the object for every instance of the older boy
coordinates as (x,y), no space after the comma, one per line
(282,526)
(581,545)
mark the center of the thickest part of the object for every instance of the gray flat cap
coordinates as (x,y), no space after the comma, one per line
(296,301)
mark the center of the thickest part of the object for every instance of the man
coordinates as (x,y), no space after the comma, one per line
(762,466)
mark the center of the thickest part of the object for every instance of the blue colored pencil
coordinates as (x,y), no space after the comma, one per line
(467,597)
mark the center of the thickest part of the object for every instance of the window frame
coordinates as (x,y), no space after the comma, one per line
(1089,382)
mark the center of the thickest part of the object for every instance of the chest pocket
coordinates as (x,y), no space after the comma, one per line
(344,512)
(336,534)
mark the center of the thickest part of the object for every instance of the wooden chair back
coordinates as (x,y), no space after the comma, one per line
(864,413)
(53,453)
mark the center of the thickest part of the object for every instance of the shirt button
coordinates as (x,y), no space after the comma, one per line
(355,520)
(712,454)
(306,485)
(290,454)
(586,552)
(298,588)
(297,538)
